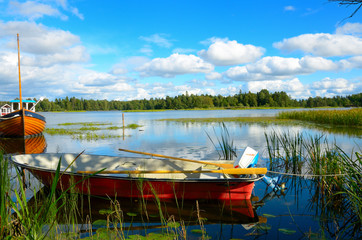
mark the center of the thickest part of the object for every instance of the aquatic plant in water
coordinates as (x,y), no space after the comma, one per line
(335,177)
(225,148)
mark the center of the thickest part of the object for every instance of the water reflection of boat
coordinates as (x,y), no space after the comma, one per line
(29,145)
(142,210)
(141,177)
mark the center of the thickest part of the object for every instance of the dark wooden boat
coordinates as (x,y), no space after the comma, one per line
(141,177)
(21,123)
(24,121)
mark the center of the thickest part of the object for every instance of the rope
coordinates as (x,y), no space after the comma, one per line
(309,175)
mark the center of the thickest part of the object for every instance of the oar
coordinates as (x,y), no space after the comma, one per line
(232,171)
(222,165)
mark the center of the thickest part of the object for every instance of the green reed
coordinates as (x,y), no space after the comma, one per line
(225,148)
(335,176)
(351,117)
(5,210)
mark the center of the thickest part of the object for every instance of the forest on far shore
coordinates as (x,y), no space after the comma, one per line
(190,101)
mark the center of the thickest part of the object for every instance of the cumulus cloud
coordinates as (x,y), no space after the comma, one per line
(350,28)
(332,87)
(37,38)
(273,68)
(322,44)
(293,87)
(214,76)
(176,64)
(223,52)
(129,64)
(33,10)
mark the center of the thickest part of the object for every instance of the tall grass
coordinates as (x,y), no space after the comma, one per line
(336,177)
(225,144)
(351,117)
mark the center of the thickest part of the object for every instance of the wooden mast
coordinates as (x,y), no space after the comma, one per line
(20,95)
(21,100)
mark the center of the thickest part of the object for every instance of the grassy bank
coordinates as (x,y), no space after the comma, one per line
(350,117)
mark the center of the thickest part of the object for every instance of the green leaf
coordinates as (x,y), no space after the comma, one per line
(269,215)
(131,214)
(287,231)
(100,222)
(105,211)
(173,224)
(198,231)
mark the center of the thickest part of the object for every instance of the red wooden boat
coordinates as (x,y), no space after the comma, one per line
(22,120)
(141,177)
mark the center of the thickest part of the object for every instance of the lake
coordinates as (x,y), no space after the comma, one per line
(295,212)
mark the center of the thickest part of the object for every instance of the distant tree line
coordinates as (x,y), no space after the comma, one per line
(190,101)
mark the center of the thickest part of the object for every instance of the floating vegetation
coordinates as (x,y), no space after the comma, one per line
(351,117)
(93,136)
(88,129)
(61,131)
(227,119)
(84,124)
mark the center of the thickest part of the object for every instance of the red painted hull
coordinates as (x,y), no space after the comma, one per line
(21,123)
(148,188)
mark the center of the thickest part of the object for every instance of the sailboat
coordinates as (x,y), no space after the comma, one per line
(22,121)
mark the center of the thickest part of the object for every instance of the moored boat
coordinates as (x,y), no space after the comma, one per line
(21,123)
(22,120)
(142,177)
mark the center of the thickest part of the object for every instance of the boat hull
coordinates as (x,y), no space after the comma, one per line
(199,184)
(150,188)
(21,123)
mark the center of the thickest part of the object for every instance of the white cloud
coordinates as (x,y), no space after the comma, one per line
(225,53)
(214,76)
(289,8)
(37,38)
(34,10)
(323,44)
(274,68)
(183,50)
(129,64)
(332,87)
(176,64)
(158,39)
(350,28)
(293,87)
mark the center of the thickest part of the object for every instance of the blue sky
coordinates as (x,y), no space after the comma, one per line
(124,50)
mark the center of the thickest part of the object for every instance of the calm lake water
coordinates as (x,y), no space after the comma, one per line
(295,213)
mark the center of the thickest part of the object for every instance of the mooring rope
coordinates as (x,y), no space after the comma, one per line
(310,175)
